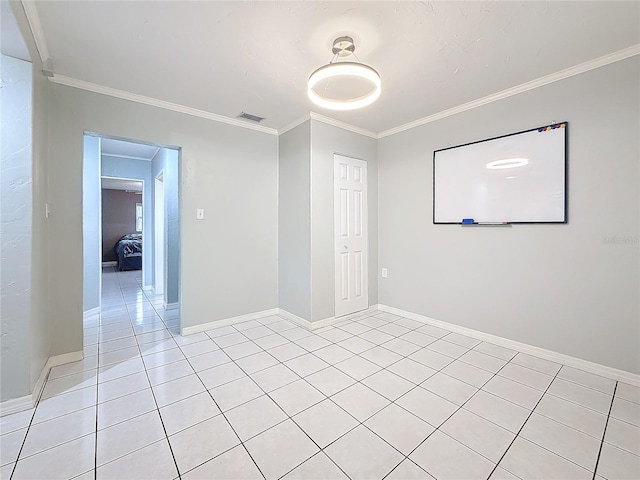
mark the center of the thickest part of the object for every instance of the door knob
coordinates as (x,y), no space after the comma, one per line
(346,248)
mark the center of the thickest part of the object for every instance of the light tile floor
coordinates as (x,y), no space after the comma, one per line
(377,396)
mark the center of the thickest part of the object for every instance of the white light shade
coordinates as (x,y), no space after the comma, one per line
(345,69)
(507,163)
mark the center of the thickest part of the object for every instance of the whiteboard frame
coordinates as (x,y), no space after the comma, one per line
(565,172)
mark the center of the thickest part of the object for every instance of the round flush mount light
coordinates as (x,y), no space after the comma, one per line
(344,85)
(507,163)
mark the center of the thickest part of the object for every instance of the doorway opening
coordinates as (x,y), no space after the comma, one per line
(122,201)
(131,230)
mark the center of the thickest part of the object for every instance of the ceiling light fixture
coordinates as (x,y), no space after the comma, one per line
(344,85)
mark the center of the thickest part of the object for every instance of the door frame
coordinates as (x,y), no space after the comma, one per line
(159,240)
(365,233)
(144,220)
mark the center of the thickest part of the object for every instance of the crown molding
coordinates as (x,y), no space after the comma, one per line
(134,97)
(547,79)
(130,157)
(294,124)
(343,125)
(33,19)
(154,102)
(329,121)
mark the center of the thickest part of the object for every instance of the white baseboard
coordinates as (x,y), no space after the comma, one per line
(274,311)
(63,359)
(147,288)
(325,322)
(91,312)
(171,306)
(54,362)
(39,386)
(154,292)
(16,405)
(587,366)
(227,321)
(292,317)
(110,264)
(331,320)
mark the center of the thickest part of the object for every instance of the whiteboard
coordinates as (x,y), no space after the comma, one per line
(516,178)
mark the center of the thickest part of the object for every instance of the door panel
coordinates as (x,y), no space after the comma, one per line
(344,213)
(344,276)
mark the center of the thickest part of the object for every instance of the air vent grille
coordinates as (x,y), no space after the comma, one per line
(248,116)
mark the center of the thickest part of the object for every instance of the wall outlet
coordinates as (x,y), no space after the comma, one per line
(384,273)
(200,214)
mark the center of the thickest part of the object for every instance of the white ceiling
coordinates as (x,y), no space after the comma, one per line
(123,148)
(256,57)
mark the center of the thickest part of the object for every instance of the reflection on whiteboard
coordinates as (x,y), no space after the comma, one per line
(518,178)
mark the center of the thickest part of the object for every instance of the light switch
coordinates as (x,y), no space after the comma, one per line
(384,273)
(200,214)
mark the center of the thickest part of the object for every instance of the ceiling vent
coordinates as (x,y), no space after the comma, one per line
(248,116)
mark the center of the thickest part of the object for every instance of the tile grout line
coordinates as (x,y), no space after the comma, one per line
(468,349)
(221,413)
(155,400)
(414,387)
(525,384)
(481,389)
(326,398)
(522,426)
(24,440)
(288,417)
(460,407)
(63,443)
(95,457)
(95,446)
(280,362)
(360,423)
(606,424)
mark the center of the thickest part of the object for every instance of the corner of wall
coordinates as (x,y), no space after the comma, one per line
(40,330)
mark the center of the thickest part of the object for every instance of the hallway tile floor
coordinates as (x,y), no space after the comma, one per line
(376,396)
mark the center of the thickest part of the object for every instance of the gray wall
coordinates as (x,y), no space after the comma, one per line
(92,264)
(294,221)
(118,219)
(306,260)
(569,288)
(25,344)
(228,261)
(16,226)
(167,161)
(326,140)
(40,340)
(137,170)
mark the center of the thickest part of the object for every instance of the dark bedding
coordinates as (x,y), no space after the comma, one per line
(129,252)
